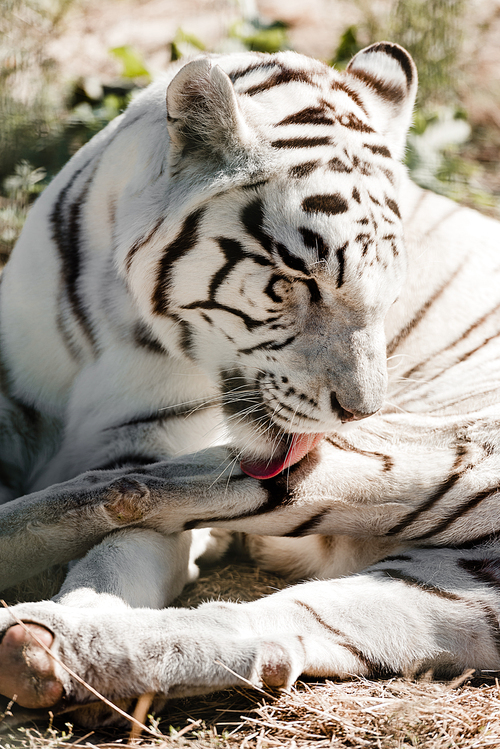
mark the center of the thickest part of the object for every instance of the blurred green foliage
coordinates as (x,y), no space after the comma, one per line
(133,65)
(185,45)
(40,130)
(20,187)
(261,37)
(349,45)
(432,32)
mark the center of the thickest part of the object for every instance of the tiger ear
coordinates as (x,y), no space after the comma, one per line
(389,77)
(203,112)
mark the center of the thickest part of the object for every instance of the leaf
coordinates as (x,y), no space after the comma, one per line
(132,62)
(260,37)
(184,45)
(348,47)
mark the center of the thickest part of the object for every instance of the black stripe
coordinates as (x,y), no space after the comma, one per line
(389,175)
(66,233)
(342,444)
(278,78)
(291,261)
(352,122)
(237,74)
(301,142)
(268,346)
(132,459)
(314,241)
(308,527)
(366,240)
(391,92)
(252,218)
(472,543)
(390,204)
(337,165)
(399,54)
(293,411)
(144,338)
(443,489)
(483,570)
(340,86)
(269,290)
(340,253)
(308,116)
(330,204)
(492,620)
(233,252)
(182,244)
(458,340)
(186,337)
(64,328)
(302,170)
(249,322)
(420,314)
(397,558)
(345,642)
(462,509)
(380,150)
(255,185)
(314,292)
(426,587)
(140,243)
(165,414)
(467,355)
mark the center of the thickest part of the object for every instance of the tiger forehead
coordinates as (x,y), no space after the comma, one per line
(296,96)
(337,213)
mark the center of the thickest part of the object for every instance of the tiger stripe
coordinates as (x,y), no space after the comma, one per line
(413,582)
(66,234)
(420,314)
(182,244)
(371,666)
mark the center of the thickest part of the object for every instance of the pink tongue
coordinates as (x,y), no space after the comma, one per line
(300,445)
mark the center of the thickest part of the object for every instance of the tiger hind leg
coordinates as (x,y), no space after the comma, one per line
(433,609)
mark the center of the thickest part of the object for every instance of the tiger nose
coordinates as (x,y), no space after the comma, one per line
(347,414)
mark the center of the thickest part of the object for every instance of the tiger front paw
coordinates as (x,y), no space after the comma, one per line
(27,669)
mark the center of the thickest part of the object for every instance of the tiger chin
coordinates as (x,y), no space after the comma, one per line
(221,277)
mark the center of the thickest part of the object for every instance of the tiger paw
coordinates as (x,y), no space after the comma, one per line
(27,670)
(127,500)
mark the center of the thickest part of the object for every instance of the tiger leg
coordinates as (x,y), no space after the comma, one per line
(406,489)
(132,568)
(136,567)
(443,615)
(316,556)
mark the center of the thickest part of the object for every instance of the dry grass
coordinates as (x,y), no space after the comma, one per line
(384,714)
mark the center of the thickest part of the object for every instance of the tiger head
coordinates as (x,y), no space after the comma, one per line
(285,247)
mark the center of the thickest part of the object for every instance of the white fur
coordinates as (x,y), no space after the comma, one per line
(147,315)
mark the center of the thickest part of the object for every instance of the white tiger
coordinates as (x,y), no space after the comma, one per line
(231,267)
